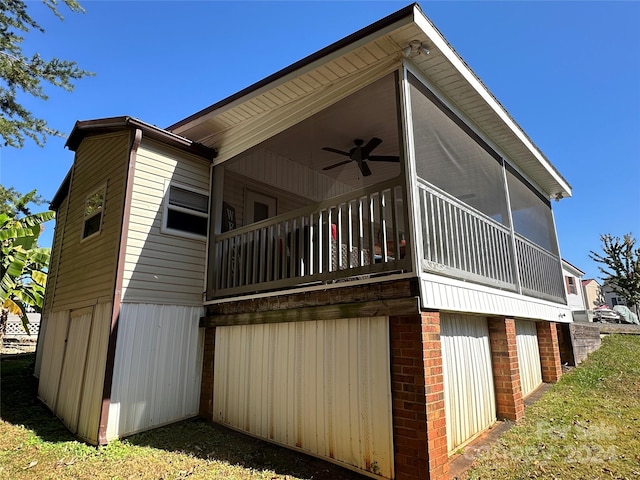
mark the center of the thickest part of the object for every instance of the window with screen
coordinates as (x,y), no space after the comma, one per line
(186,211)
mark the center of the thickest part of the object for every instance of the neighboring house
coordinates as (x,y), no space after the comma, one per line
(611,298)
(592,291)
(332,259)
(573,285)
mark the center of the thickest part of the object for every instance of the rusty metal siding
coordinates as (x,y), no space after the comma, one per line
(319,386)
(469,396)
(157,367)
(528,356)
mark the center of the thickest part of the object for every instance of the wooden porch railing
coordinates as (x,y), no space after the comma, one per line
(351,236)
(461,242)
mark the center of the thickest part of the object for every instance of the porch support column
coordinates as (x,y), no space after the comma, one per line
(506,372)
(419,424)
(206,386)
(549,351)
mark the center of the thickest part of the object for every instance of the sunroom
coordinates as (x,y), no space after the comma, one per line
(390,181)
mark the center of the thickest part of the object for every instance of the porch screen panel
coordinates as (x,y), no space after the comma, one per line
(531,212)
(453,158)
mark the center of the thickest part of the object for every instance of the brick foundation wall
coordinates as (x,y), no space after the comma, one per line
(506,372)
(419,425)
(549,351)
(206,387)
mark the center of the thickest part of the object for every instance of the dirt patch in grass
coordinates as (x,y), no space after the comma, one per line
(586,427)
(35,444)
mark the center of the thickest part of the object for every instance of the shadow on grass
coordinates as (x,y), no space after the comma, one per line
(196,437)
(210,441)
(19,404)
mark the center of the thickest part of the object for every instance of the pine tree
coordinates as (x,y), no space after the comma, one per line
(20,73)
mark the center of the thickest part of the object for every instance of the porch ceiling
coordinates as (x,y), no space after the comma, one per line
(306,87)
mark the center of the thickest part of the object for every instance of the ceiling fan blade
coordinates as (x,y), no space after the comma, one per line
(364,168)
(334,150)
(384,158)
(370,146)
(336,165)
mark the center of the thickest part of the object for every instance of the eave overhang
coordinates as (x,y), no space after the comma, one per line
(113,124)
(375,48)
(85,128)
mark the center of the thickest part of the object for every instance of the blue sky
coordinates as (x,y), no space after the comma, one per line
(568,72)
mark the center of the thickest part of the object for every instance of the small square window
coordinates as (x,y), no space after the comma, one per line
(93,210)
(571,286)
(186,211)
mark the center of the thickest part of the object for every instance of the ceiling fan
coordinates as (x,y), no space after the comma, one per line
(360,154)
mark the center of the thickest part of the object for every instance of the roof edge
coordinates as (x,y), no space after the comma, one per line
(82,128)
(564,261)
(61,193)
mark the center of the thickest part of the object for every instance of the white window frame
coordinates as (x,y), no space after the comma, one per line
(166,207)
(99,211)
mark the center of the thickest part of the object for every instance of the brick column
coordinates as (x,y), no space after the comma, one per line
(206,384)
(419,428)
(549,351)
(506,372)
(434,389)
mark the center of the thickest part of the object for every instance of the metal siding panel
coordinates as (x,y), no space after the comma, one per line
(157,367)
(528,356)
(469,394)
(73,369)
(52,355)
(444,293)
(313,385)
(91,401)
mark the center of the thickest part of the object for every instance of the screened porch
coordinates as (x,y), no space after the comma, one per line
(339,198)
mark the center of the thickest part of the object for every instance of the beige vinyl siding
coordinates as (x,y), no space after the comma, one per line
(276,171)
(55,254)
(162,268)
(322,387)
(234,194)
(86,269)
(51,279)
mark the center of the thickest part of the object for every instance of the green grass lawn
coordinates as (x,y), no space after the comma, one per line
(35,444)
(586,427)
